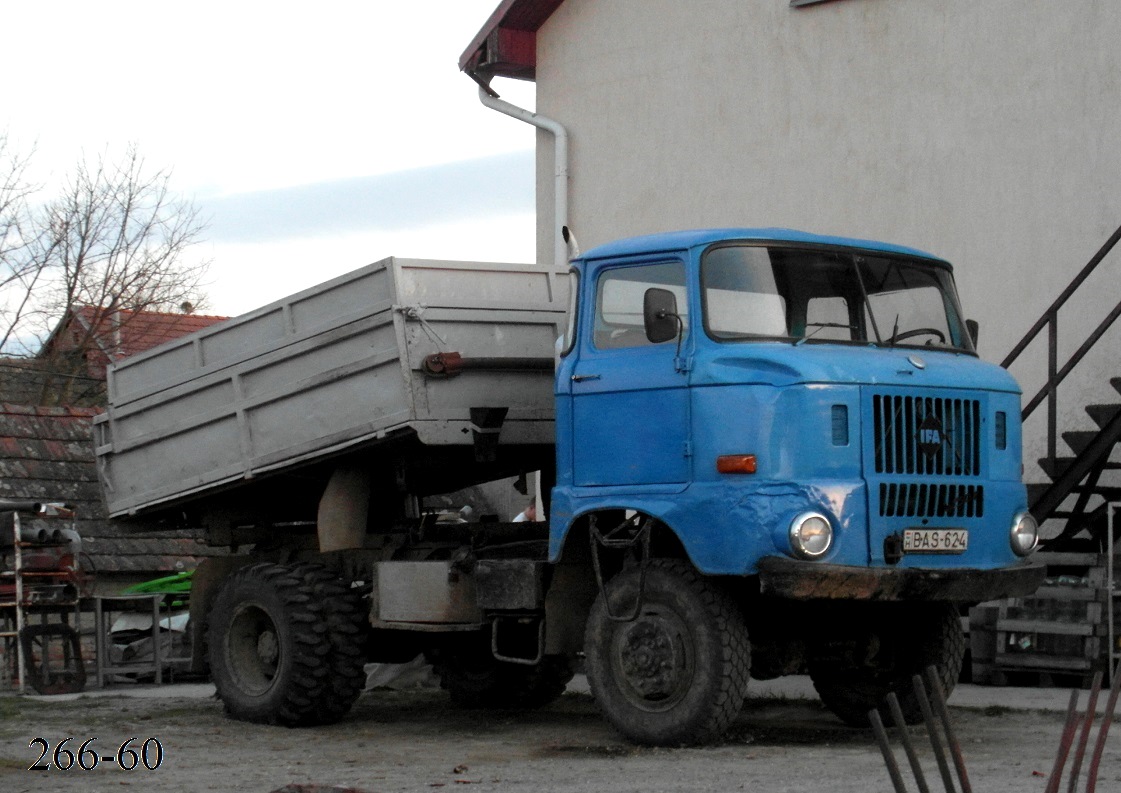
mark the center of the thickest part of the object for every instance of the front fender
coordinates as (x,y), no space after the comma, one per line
(726,530)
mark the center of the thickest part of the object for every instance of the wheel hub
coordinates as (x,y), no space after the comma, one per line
(653,659)
(253,649)
(268,649)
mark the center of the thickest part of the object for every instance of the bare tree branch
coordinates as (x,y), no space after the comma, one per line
(112,243)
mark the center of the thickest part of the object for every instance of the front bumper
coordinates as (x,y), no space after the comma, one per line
(798,580)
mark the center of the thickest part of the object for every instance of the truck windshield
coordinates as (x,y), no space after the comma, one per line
(829,295)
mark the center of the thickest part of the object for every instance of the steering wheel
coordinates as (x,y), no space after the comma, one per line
(918,332)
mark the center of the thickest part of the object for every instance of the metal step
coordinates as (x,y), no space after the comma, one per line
(1101,414)
(1078,440)
(1108,493)
(1037,489)
(1055,468)
(1061,464)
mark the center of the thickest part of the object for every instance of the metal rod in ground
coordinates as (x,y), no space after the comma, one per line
(905,739)
(1107,720)
(1064,744)
(1084,738)
(885,750)
(932,731)
(938,697)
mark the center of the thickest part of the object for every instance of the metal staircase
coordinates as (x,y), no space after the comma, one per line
(1066,629)
(1079,489)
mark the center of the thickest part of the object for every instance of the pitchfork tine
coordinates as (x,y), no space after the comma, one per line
(939,699)
(1107,720)
(1084,738)
(885,750)
(1064,744)
(905,738)
(932,731)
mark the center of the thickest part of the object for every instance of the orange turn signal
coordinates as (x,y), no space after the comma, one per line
(736,463)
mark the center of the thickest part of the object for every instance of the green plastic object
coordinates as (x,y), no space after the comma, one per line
(172,584)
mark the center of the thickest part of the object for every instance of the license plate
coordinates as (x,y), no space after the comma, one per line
(935,540)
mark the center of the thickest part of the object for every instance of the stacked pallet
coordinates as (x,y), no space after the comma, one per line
(1063,633)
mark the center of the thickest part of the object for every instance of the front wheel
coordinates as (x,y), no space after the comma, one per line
(677,673)
(876,651)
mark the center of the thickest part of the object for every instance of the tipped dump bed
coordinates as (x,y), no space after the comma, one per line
(333,367)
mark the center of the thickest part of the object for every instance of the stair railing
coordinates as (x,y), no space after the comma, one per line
(1056,375)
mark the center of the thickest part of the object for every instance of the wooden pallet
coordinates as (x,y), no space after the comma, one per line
(1060,633)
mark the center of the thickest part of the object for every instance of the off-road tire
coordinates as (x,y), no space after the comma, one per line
(892,645)
(474,678)
(686,625)
(344,611)
(268,642)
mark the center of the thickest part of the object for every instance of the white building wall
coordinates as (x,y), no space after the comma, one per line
(988,133)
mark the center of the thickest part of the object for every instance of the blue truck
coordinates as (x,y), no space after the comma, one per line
(761,452)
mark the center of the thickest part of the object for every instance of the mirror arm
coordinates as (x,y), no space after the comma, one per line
(678,364)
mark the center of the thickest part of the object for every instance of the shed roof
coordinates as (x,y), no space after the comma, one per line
(46,454)
(506,46)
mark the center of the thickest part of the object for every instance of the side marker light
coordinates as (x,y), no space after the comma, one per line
(736,464)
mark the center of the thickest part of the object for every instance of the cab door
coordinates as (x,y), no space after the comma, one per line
(630,399)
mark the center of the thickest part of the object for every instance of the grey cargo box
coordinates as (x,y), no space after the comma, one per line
(335,366)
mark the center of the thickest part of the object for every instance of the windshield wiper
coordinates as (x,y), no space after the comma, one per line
(820,325)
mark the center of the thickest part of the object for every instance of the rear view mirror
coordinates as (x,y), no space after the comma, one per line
(973,328)
(659,314)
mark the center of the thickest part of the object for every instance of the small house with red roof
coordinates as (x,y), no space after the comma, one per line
(103,335)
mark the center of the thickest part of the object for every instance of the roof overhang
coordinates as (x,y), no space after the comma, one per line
(507,44)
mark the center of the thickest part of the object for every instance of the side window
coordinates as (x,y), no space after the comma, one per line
(567,341)
(619,297)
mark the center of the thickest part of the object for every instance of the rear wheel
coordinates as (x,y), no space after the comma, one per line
(878,650)
(344,612)
(678,672)
(268,641)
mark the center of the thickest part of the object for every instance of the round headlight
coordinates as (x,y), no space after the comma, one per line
(1025,534)
(811,535)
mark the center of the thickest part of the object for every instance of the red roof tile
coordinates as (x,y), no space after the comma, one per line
(46,454)
(106,336)
(140,330)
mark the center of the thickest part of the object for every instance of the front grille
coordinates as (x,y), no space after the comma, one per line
(912,500)
(926,435)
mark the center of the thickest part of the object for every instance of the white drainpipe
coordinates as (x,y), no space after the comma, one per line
(560,159)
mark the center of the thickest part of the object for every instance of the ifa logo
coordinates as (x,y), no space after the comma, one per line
(930,436)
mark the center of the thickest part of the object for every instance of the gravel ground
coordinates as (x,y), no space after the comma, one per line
(413,740)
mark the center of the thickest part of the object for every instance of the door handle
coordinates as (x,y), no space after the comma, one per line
(579,378)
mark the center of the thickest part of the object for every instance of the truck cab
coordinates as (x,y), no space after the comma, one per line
(815,399)
(802,425)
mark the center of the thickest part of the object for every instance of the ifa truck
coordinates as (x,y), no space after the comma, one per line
(762,452)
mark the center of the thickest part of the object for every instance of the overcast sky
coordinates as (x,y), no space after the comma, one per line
(315,138)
